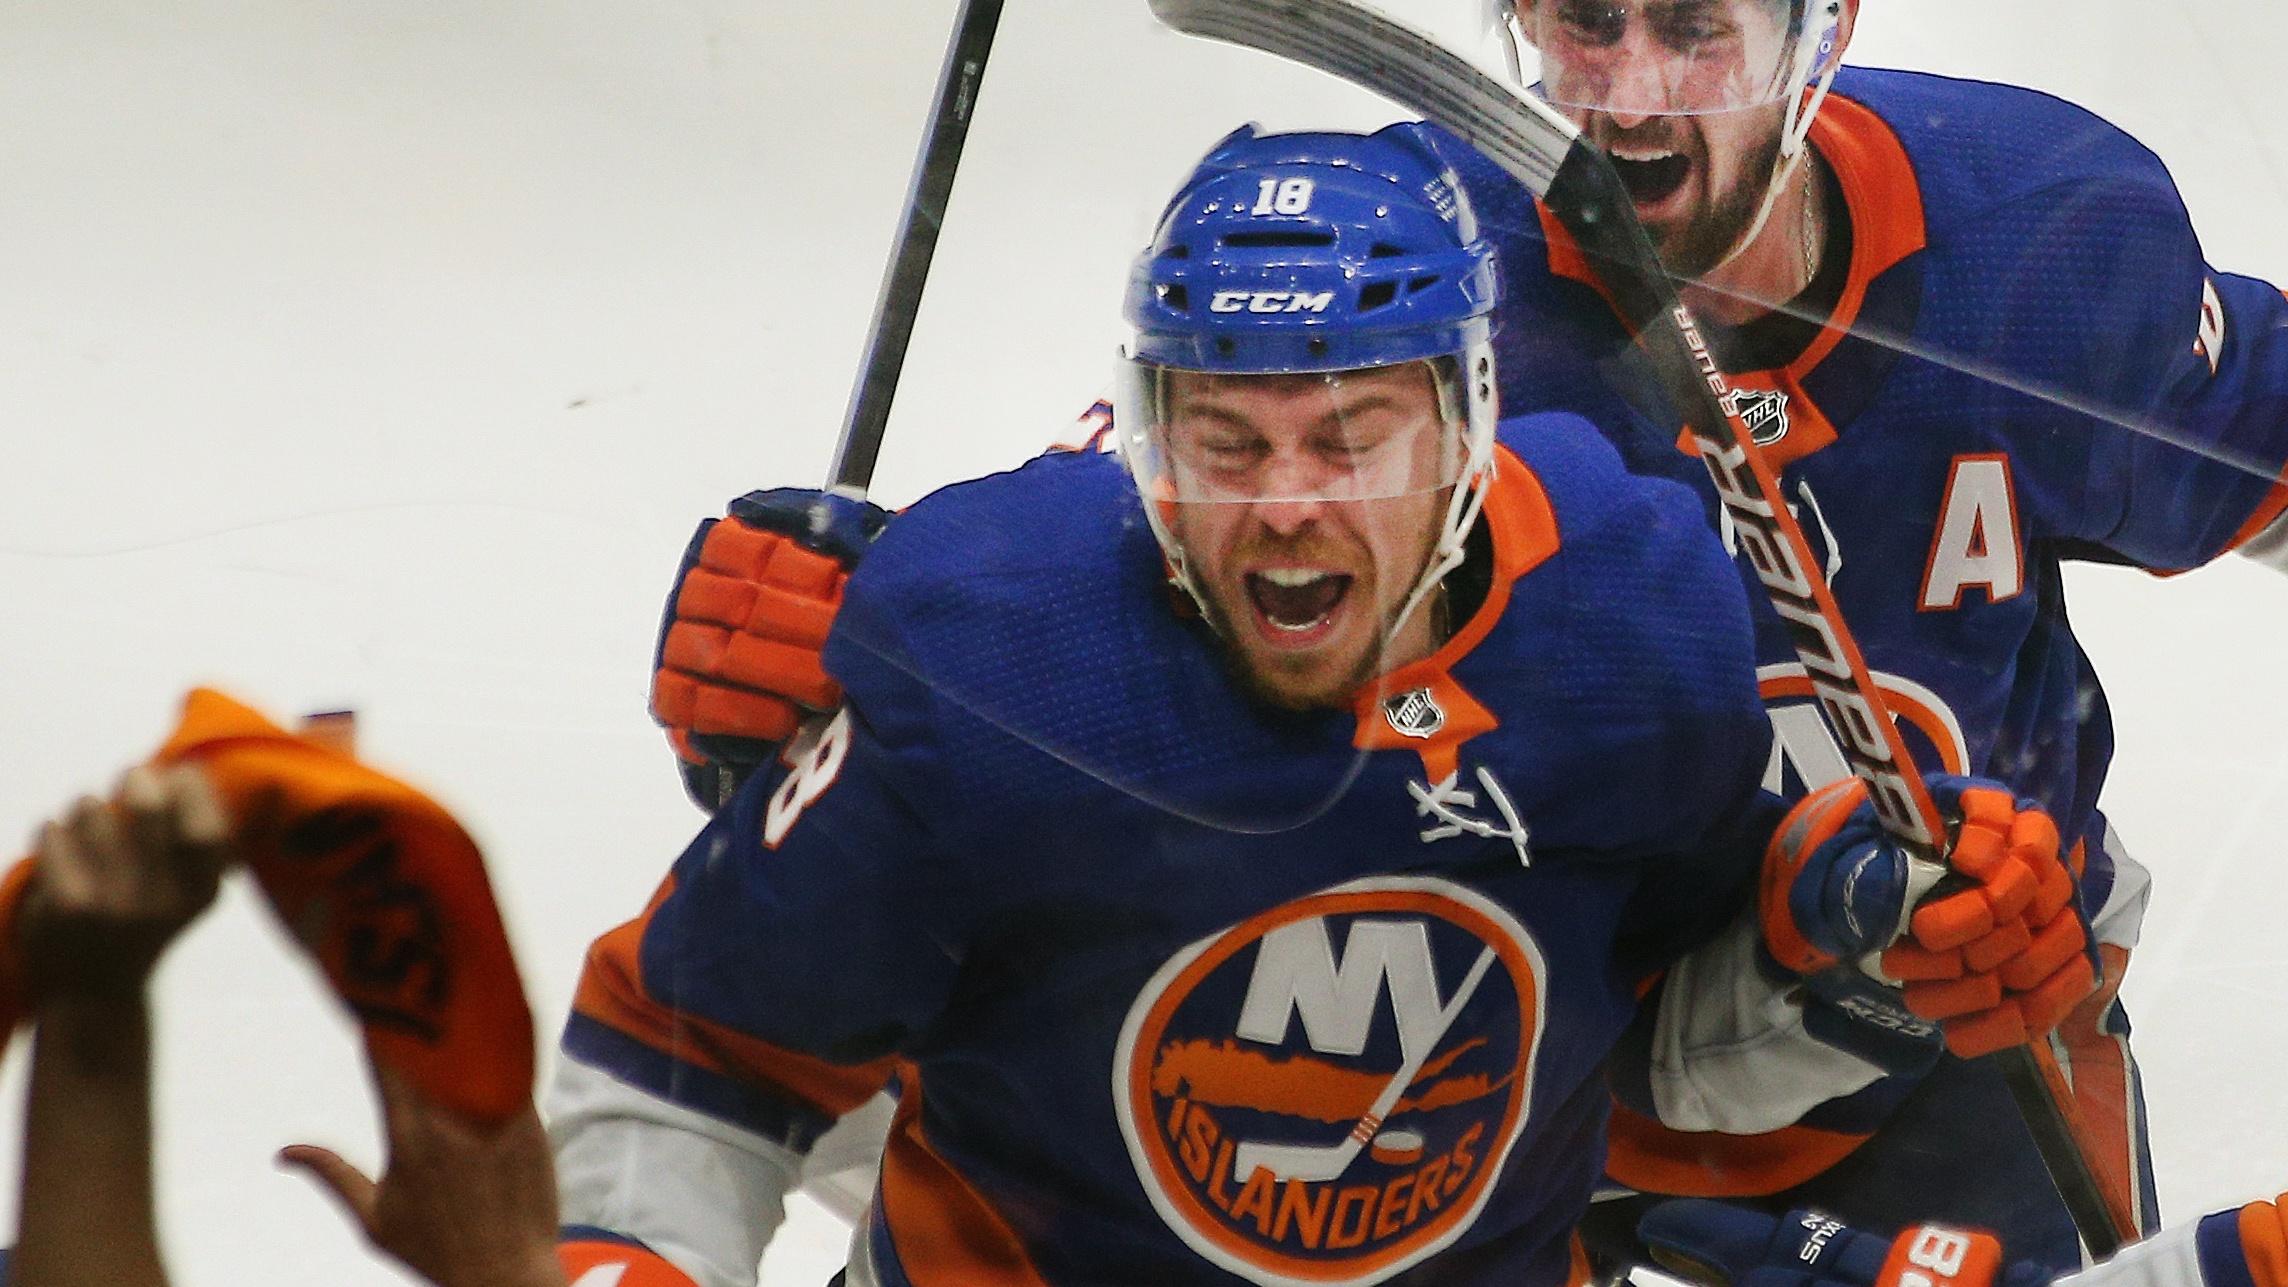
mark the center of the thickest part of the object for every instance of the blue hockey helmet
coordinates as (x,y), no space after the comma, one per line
(1313,252)
(1317,253)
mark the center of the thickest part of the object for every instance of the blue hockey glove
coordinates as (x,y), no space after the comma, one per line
(737,667)
(1836,891)
(1722,1245)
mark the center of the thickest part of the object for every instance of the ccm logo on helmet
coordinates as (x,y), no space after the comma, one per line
(1270,301)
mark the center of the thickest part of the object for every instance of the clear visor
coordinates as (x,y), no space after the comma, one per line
(1197,437)
(1665,57)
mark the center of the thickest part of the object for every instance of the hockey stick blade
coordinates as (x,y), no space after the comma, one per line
(1524,137)
(901,295)
(1545,152)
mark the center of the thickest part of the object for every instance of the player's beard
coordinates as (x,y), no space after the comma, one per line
(1732,189)
(1260,671)
(1704,242)
(1261,687)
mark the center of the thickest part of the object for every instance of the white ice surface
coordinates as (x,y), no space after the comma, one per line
(384,354)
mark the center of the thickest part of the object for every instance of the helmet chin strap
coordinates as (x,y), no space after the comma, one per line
(1467,396)
(1795,135)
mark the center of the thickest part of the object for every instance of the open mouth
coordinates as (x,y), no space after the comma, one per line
(1651,176)
(1297,604)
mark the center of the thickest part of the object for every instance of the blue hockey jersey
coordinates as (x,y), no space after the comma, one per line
(2029,363)
(1177,988)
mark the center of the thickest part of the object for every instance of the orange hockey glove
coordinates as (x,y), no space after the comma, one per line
(2004,960)
(737,666)
(1997,954)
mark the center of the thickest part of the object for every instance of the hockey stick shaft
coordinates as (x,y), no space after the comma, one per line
(926,197)
(1583,199)
(898,302)
(1545,152)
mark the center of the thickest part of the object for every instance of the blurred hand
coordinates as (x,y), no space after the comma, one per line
(461,1205)
(114,882)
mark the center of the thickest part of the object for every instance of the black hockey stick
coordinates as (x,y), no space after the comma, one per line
(902,281)
(900,298)
(1576,181)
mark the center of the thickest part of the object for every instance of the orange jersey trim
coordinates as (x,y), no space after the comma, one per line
(1882,198)
(2264,1243)
(1808,427)
(638,1266)
(1577,1270)
(1651,1158)
(2103,1114)
(1568,260)
(1523,528)
(1884,202)
(2275,503)
(612,993)
(945,1231)
(13,888)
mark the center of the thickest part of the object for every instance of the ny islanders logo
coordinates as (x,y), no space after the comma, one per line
(1326,1093)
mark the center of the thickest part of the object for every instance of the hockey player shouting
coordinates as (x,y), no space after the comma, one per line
(1246,848)
(1981,339)
(1973,326)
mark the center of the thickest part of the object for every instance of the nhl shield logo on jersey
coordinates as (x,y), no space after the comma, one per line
(1293,1126)
(1763,411)
(1415,713)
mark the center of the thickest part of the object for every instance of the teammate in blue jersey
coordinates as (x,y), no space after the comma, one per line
(1980,339)
(1973,325)
(1244,849)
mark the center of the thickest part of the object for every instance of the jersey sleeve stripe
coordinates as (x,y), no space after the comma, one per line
(2274,505)
(944,1231)
(2262,1239)
(764,1110)
(1649,1157)
(612,998)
